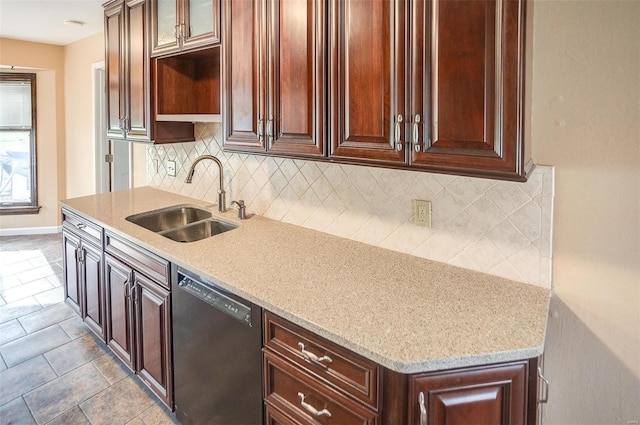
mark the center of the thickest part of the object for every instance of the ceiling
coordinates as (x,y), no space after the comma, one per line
(43,20)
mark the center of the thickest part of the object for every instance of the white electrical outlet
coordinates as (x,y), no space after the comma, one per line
(171,168)
(422,212)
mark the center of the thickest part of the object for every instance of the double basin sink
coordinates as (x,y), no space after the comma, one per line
(181,223)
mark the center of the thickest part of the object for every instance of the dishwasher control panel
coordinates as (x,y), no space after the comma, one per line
(215,297)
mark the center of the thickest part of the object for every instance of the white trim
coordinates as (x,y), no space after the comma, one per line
(189,117)
(19,231)
(97,93)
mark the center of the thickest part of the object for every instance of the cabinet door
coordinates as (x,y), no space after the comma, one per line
(165,26)
(201,20)
(296,77)
(153,335)
(488,396)
(72,271)
(467,86)
(244,53)
(367,66)
(114,27)
(137,122)
(93,289)
(119,306)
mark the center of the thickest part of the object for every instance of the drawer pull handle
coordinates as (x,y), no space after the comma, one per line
(545,389)
(309,408)
(80,226)
(312,357)
(423,409)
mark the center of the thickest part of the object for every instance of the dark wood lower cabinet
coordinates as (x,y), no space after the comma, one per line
(307,400)
(153,335)
(83,281)
(486,395)
(72,282)
(118,282)
(139,325)
(273,416)
(91,258)
(301,392)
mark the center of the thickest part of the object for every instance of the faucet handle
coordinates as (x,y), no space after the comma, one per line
(241,208)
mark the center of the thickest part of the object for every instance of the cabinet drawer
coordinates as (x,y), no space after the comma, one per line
(307,400)
(83,227)
(138,258)
(351,373)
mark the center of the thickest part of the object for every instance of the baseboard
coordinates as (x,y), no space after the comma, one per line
(30,231)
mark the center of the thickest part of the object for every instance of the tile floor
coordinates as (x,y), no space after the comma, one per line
(53,370)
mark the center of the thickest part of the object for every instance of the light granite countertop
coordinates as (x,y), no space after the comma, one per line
(406,313)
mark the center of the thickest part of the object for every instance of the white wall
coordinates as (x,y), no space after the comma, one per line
(47,62)
(80,176)
(586,115)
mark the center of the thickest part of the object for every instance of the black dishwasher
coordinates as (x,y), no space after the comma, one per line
(217,362)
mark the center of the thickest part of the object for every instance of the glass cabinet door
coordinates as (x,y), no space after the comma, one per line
(177,25)
(202,19)
(165,26)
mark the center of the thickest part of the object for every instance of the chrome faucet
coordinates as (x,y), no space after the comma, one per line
(221,192)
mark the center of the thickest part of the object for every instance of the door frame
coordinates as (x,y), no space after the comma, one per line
(104,171)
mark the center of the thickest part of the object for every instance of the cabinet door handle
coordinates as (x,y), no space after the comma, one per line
(79,252)
(423,409)
(545,389)
(260,128)
(127,289)
(416,134)
(270,127)
(309,408)
(398,133)
(183,31)
(312,357)
(176,32)
(80,226)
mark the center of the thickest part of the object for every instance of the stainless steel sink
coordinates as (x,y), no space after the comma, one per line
(169,218)
(181,223)
(200,230)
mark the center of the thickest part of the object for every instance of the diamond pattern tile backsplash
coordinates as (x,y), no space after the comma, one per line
(496,227)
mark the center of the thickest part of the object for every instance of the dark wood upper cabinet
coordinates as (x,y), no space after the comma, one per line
(130,114)
(127,69)
(275,70)
(459,81)
(434,85)
(114,27)
(296,82)
(244,111)
(179,25)
(466,98)
(367,67)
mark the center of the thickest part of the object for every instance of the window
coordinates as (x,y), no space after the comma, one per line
(18,183)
